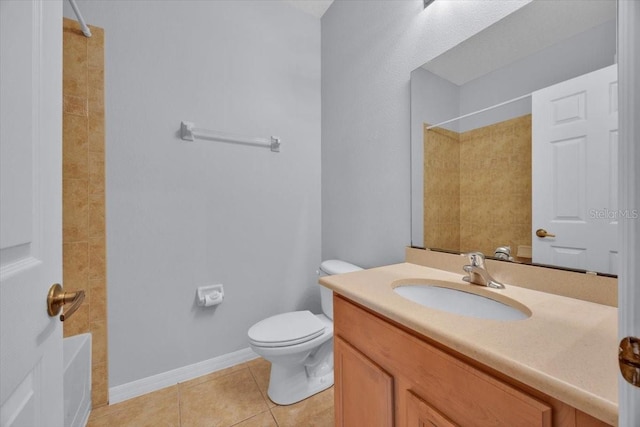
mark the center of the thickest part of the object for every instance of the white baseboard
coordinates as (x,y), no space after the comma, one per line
(142,386)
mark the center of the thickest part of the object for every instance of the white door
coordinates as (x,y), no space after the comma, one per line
(629,279)
(30,211)
(575,172)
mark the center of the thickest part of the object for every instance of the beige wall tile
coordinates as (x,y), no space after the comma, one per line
(75,105)
(75,147)
(99,386)
(442,187)
(83,192)
(75,264)
(97,258)
(95,91)
(449,184)
(96,48)
(98,300)
(96,219)
(74,59)
(451,209)
(96,132)
(99,344)
(96,173)
(502,175)
(75,210)
(504,215)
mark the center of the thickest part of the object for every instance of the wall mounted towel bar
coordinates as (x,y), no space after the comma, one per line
(189,132)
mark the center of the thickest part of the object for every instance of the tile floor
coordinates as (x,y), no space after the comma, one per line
(236,396)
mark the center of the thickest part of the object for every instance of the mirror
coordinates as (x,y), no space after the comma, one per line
(483,175)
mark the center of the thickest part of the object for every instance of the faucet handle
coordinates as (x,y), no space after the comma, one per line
(476,259)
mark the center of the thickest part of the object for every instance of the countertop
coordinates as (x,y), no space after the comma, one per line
(567,348)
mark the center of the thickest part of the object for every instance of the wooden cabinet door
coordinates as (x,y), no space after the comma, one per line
(584,420)
(421,414)
(463,393)
(363,392)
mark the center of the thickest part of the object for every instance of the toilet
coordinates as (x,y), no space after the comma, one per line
(299,345)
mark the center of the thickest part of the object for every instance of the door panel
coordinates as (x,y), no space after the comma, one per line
(575,169)
(30,215)
(364,391)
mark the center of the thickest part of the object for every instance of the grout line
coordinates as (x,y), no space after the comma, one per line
(179,405)
(275,420)
(231,370)
(264,396)
(250,417)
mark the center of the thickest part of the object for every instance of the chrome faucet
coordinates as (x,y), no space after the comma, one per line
(478,274)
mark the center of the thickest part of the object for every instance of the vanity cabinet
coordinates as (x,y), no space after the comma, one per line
(366,392)
(387,375)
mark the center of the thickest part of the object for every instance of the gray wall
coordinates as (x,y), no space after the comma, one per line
(433,100)
(184,214)
(589,51)
(369,49)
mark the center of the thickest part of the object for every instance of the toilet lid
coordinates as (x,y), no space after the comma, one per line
(286,329)
(335,266)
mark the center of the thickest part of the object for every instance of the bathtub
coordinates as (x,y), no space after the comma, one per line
(77,380)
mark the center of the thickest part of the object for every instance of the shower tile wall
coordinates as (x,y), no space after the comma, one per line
(83,193)
(441,189)
(495,186)
(490,192)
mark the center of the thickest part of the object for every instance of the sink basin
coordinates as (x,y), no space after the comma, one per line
(460,302)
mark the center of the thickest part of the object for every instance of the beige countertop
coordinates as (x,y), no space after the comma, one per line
(567,348)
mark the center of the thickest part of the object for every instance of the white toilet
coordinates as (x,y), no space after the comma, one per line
(299,345)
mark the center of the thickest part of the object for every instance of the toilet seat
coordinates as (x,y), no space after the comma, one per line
(286,329)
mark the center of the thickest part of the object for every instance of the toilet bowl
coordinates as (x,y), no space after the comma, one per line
(299,345)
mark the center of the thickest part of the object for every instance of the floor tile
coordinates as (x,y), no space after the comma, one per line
(261,370)
(232,397)
(211,376)
(159,408)
(264,419)
(316,411)
(222,401)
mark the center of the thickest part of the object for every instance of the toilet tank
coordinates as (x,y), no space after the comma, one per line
(329,268)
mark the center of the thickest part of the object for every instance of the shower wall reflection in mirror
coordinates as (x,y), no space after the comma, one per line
(514,140)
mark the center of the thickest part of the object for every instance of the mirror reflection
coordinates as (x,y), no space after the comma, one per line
(514,140)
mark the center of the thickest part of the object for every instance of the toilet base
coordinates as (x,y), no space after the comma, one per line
(291,384)
(301,370)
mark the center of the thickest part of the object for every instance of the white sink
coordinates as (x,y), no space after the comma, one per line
(460,302)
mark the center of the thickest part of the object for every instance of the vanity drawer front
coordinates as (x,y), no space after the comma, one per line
(462,394)
(421,414)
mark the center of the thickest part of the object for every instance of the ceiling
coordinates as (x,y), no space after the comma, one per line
(530,29)
(316,8)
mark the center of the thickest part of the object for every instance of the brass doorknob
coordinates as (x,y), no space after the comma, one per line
(629,360)
(541,232)
(57,298)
